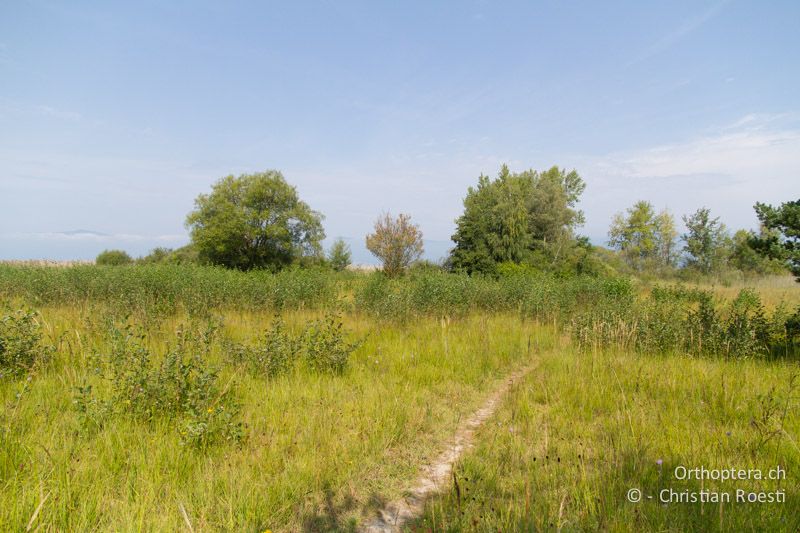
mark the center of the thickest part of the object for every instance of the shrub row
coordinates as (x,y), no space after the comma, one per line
(160,289)
(155,290)
(677,320)
(540,297)
(323,346)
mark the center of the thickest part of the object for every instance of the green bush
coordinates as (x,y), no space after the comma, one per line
(178,386)
(274,354)
(680,321)
(113,258)
(325,346)
(21,344)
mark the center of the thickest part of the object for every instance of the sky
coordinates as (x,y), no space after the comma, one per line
(114,116)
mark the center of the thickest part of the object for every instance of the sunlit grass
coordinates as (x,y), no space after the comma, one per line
(574,437)
(773,290)
(320,449)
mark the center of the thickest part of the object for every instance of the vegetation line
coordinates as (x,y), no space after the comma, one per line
(435,476)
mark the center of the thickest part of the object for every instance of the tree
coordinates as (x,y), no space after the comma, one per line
(706,241)
(396,242)
(747,259)
(634,235)
(666,235)
(156,255)
(515,217)
(339,255)
(254,221)
(644,237)
(113,258)
(782,239)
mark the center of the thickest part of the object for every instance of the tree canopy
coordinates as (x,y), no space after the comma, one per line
(644,237)
(517,218)
(781,241)
(396,242)
(254,221)
(707,241)
(339,256)
(113,258)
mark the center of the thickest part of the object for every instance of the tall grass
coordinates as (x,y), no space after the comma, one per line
(687,321)
(166,289)
(574,437)
(318,448)
(140,397)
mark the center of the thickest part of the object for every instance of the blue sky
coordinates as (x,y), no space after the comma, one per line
(114,116)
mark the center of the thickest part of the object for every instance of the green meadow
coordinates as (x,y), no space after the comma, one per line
(155,398)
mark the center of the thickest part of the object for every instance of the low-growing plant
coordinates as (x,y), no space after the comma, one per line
(179,386)
(771,410)
(21,345)
(325,345)
(275,353)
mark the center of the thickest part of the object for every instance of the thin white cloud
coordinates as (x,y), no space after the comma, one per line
(61,114)
(757,158)
(42,110)
(686,27)
(750,150)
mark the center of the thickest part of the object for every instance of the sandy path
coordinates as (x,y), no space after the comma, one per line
(436,475)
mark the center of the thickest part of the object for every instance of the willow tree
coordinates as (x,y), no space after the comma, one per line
(254,221)
(397,242)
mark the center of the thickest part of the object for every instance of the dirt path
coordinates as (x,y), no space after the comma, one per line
(436,475)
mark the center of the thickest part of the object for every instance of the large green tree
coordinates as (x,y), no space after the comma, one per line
(515,217)
(254,221)
(707,243)
(781,241)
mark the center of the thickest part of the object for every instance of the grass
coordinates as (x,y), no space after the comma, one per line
(573,438)
(327,438)
(320,449)
(773,290)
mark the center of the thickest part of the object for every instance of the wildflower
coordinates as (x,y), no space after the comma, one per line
(659,462)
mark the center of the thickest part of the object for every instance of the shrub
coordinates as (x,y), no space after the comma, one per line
(21,345)
(675,320)
(382,298)
(326,349)
(396,242)
(275,354)
(180,386)
(156,255)
(339,256)
(113,258)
